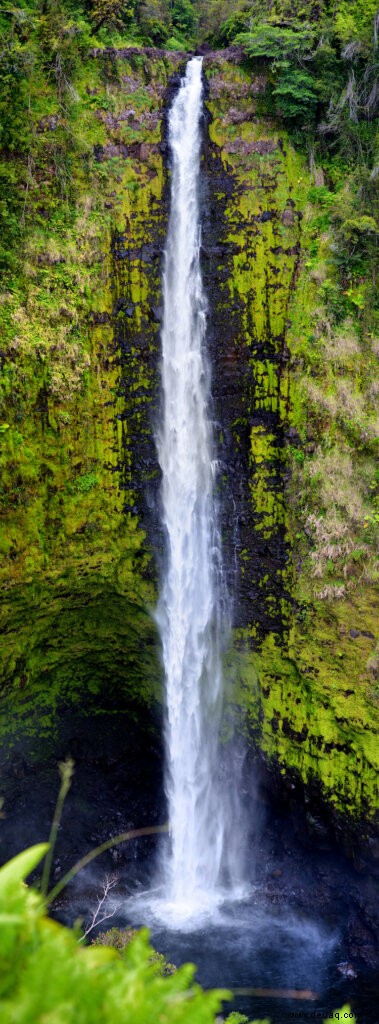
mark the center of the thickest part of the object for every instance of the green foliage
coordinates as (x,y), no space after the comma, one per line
(46,975)
(183,17)
(355,21)
(295,93)
(287,51)
(154,21)
(173,43)
(16,67)
(85,483)
(271,42)
(240,1018)
(236,24)
(115,14)
(322,195)
(120,939)
(329,100)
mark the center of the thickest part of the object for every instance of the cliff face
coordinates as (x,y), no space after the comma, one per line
(305,639)
(79,392)
(81,400)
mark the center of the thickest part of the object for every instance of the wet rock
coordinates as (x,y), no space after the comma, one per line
(373,847)
(238,116)
(131,84)
(347,970)
(49,259)
(317,828)
(262,146)
(157,313)
(100,317)
(49,123)
(288,217)
(233,53)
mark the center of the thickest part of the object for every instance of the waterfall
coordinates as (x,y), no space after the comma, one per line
(189,611)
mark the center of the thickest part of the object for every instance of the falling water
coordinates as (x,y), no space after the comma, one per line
(189,610)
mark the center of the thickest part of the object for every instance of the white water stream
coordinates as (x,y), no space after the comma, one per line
(189,610)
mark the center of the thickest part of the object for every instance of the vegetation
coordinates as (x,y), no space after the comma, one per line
(46,975)
(320,61)
(73,550)
(320,486)
(60,502)
(65,193)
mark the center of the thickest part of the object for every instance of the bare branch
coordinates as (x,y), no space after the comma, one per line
(97,916)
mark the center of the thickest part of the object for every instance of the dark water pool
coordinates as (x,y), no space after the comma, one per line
(278,964)
(259,944)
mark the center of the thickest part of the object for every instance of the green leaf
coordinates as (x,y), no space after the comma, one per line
(17,869)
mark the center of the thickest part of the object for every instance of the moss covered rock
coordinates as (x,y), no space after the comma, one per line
(300,545)
(79,336)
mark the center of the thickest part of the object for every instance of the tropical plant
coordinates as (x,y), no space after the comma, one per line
(45,975)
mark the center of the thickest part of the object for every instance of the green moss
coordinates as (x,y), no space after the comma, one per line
(267,502)
(74,394)
(76,573)
(309,688)
(308,713)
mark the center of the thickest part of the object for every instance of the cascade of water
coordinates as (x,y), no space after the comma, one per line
(189,609)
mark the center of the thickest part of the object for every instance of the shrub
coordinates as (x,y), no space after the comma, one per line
(271,42)
(295,94)
(286,49)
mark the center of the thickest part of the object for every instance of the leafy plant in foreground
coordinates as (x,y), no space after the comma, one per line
(46,976)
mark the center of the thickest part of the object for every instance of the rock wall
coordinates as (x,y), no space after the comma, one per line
(301,665)
(81,399)
(79,390)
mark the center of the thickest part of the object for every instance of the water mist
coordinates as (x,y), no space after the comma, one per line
(191,609)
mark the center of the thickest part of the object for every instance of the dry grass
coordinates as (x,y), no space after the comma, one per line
(337,487)
(343,347)
(335,501)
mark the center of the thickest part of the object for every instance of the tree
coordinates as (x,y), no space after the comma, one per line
(183,17)
(115,14)
(295,93)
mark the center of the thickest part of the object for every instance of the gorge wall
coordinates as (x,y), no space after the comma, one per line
(80,360)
